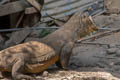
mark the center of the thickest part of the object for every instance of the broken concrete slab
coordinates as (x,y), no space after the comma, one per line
(111,50)
(113,45)
(17,37)
(35,33)
(118,53)
(103,20)
(31,39)
(85,56)
(113,38)
(107,21)
(2,41)
(113,5)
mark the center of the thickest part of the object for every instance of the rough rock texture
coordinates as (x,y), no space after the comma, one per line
(107,21)
(113,4)
(17,37)
(2,41)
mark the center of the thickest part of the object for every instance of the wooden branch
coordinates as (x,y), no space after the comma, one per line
(13,7)
(35,4)
(19,20)
(94,43)
(30,10)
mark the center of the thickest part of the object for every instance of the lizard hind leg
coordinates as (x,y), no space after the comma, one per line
(18,70)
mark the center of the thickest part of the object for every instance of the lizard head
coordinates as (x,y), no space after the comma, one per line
(87,25)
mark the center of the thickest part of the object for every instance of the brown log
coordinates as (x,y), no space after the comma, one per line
(12,7)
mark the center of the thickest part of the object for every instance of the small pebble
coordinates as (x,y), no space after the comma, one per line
(111,50)
(64,79)
(45,74)
(112,45)
(39,78)
(118,53)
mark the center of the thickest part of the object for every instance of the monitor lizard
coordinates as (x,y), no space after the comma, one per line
(36,56)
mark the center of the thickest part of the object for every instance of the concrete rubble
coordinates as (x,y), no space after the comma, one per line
(113,6)
(17,37)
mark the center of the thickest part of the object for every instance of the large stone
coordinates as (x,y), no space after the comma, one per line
(103,20)
(35,33)
(17,37)
(112,50)
(2,42)
(87,56)
(31,39)
(118,53)
(113,5)
(113,45)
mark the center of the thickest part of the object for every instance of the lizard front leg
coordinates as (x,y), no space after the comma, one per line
(17,71)
(65,55)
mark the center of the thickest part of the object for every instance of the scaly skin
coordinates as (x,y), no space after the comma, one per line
(36,56)
(33,51)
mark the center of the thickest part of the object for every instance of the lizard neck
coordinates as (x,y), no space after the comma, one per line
(73,30)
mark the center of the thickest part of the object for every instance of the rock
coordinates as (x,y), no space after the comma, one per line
(45,74)
(76,78)
(62,73)
(39,78)
(84,57)
(1,76)
(2,41)
(35,33)
(117,62)
(17,37)
(113,5)
(116,68)
(118,53)
(5,79)
(31,39)
(64,79)
(112,45)
(102,20)
(111,50)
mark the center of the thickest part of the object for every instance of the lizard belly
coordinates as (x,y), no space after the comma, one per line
(39,67)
